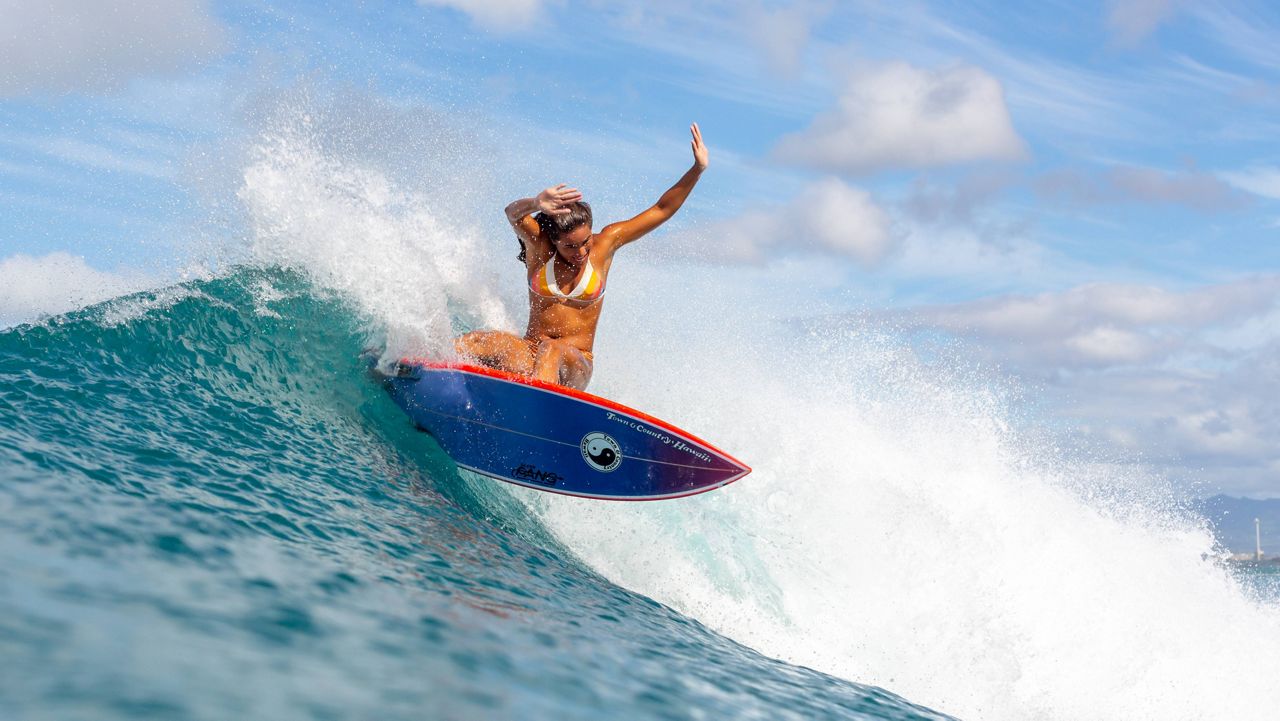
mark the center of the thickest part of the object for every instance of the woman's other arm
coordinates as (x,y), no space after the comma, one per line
(628,230)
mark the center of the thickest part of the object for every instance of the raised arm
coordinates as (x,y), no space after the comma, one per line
(551,201)
(628,230)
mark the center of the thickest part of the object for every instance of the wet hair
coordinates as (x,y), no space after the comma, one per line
(555,226)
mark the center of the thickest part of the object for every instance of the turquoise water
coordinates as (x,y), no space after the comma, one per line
(1263,581)
(208,511)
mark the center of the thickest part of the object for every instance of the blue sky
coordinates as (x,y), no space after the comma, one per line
(1089,193)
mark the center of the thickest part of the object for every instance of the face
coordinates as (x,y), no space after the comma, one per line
(575,245)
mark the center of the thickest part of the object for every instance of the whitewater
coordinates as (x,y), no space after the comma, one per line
(207,508)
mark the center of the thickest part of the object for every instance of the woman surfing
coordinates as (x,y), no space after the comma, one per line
(567,267)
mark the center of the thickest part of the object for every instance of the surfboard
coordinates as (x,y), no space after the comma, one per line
(553,438)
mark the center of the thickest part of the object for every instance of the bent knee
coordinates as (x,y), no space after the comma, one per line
(464,343)
(475,343)
(553,347)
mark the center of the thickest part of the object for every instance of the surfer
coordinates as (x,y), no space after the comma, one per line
(567,265)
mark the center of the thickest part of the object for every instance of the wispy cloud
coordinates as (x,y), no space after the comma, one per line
(784,34)
(1263,181)
(1191,188)
(79,45)
(1244,32)
(1131,21)
(499,15)
(721,49)
(99,156)
(112,147)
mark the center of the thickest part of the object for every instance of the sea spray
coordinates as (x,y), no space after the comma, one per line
(899,531)
(340,218)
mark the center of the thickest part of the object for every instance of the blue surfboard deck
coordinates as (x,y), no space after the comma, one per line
(553,438)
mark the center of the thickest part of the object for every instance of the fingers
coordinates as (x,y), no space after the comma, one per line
(563,191)
(697,133)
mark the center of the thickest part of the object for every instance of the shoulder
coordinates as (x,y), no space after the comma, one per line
(613,235)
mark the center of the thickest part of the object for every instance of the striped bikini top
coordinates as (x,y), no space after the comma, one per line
(590,286)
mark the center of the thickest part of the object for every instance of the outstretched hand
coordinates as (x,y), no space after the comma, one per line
(700,156)
(553,200)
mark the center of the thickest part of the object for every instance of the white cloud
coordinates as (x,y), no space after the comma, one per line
(827,217)
(1131,21)
(1181,381)
(1099,325)
(1259,181)
(500,15)
(978,256)
(1216,427)
(900,116)
(31,287)
(82,45)
(955,230)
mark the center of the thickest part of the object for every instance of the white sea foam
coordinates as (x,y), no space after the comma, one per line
(898,531)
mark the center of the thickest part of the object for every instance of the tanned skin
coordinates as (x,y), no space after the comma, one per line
(557,345)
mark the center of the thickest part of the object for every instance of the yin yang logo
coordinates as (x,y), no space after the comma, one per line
(601,452)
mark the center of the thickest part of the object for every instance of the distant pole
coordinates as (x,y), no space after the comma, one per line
(1257,538)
